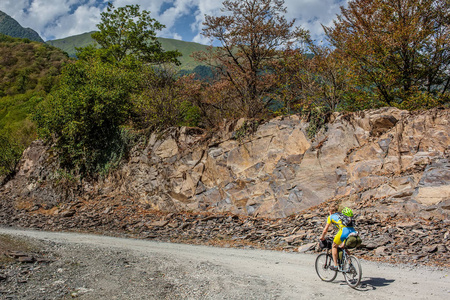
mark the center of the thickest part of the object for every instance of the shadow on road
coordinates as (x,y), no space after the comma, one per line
(373,283)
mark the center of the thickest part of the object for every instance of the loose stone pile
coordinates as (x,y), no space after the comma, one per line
(386,236)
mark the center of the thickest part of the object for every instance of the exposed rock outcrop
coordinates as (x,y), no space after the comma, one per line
(399,157)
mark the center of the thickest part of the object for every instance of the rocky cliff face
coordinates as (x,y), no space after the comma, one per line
(396,160)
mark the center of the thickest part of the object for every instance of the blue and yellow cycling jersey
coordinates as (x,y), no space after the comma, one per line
(336,220)
(343,232)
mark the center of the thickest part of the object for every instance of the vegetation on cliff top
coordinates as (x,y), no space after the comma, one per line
(381,53)
(106,89)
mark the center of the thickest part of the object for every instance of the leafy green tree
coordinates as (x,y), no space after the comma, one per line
(162,104)
(85,113)
(128,31)
(85,116)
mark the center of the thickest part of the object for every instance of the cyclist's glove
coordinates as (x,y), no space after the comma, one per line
(322,244)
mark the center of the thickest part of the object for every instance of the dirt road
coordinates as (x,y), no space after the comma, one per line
(100,267)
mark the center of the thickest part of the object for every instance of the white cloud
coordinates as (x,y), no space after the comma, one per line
(41,13)
(179,9)
(205,7)
(84,19)
(176,36)
(53,18)
(311,14)
(152,6)
(14,8)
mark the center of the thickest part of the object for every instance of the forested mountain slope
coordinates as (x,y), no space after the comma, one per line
(28,71)
(11,27)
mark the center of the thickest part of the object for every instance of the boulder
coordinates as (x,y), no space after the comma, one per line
(306,247)
(434,186)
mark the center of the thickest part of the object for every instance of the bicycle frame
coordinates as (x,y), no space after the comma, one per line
(340,261)
(349,266)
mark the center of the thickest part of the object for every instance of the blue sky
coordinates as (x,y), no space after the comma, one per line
(54,19)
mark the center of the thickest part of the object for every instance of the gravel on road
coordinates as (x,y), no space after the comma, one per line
(83,266)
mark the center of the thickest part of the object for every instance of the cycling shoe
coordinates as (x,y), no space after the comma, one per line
(334,268)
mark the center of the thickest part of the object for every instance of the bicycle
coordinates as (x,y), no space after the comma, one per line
(349,265)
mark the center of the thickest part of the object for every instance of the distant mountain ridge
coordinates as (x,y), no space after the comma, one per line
(69,44)
(11,27)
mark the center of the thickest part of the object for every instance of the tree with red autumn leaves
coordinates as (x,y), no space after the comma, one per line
(252,35)
(399,49)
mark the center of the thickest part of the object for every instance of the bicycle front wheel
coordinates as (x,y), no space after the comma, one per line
(352,271)
(323,263)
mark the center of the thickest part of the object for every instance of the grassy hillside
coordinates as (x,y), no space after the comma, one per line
(28,71)
(11,27)
(26,66)
(186,48)
(68,44)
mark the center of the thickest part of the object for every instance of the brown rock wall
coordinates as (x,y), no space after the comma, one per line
(397,156)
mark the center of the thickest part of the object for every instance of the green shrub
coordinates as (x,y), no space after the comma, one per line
(9,155)
(317,118)
(83,115)
(160,104)
(190,113)
(419,100)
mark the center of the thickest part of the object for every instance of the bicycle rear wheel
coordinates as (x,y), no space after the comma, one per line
(352,271)
(323,263)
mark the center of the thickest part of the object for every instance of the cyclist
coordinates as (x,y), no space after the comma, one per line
(344,223)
